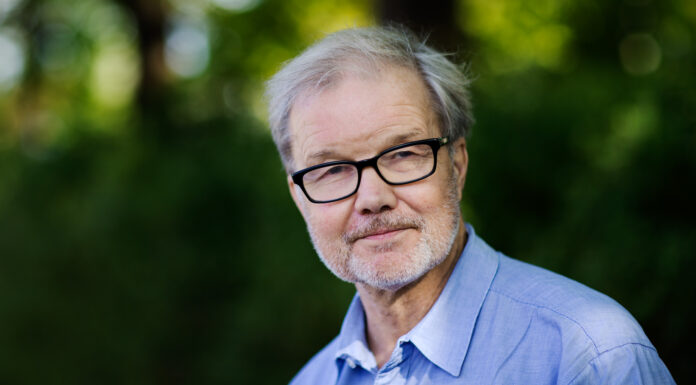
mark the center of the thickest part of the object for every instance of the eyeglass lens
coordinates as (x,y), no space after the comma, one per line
(398,166)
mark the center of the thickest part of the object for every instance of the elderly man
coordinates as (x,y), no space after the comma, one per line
(371,124)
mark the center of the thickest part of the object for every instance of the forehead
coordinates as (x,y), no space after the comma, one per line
(359,116)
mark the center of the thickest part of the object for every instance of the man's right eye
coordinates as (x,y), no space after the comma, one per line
(335,170)
(328,173)
(402,154)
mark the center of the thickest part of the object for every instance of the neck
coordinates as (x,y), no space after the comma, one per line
(391,314)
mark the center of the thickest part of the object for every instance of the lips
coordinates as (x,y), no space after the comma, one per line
(381,227)
(377,233)
(383,233)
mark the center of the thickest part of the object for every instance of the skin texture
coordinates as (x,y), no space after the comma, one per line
(398,244)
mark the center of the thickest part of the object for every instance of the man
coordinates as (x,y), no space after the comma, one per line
(371,126)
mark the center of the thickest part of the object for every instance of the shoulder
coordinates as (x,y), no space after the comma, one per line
(592,336)
(573,307)
(633,364)
(320,369)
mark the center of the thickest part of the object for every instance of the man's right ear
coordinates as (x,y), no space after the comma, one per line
(297,195)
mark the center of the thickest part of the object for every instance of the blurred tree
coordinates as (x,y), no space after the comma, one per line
(437,20)
(151,17)
(146,233)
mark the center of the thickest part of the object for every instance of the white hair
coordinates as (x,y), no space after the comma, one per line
(365,51)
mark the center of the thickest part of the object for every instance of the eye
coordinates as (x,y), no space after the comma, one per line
(403,154)
(412,152)
(336,170)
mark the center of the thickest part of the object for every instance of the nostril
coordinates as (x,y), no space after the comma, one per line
(368,210)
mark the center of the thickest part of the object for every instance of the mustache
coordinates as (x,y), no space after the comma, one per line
(382,223)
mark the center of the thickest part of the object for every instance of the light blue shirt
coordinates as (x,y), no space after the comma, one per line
(499,321)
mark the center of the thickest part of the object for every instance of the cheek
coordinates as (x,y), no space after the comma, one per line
(424,198)
(329,220)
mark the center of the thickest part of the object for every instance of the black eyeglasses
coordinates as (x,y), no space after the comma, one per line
(402,164)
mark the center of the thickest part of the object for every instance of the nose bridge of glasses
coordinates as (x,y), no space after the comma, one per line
(373,192)
(371,162)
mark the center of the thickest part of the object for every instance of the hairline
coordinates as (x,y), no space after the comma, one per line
(317,69)
(379,69)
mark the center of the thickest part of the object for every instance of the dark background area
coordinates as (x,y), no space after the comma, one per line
(146,231)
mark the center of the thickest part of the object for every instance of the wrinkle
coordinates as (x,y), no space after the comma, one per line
(515,348)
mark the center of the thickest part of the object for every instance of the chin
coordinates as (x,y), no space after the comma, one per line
(393,270)
(390,282)
(395,264)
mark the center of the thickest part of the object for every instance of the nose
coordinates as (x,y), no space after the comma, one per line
(374,195)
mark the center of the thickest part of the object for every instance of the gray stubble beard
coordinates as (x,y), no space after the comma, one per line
(432,248)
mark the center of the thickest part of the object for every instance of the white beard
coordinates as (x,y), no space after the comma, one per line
(437,237)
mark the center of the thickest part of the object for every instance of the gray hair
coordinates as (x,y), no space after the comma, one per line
(363,50)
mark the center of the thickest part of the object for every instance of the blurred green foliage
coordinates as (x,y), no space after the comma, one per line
(146,233)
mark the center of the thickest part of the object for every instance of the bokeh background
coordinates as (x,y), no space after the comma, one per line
(146,231)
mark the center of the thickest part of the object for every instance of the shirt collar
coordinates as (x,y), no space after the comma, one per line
(454,314)
(452,317)
(352,345)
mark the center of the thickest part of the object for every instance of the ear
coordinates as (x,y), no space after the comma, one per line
(297,195)
(460,163)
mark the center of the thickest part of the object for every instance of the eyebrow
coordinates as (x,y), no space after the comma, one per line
(322,155)
(403,138)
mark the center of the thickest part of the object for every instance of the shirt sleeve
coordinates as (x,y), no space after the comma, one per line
(633,364)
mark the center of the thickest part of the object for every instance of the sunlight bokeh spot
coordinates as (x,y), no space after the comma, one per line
(518,35)
(187,50)
(12,59)
(549,42)
(319,18)
(630,127)
(640,54)
(114,76)
(7,6)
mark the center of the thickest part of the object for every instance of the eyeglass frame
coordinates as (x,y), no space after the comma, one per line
(434,143)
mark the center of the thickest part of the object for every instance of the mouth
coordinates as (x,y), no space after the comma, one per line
(383,229)
(382,234)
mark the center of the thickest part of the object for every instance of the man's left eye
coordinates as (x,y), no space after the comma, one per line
(403,154)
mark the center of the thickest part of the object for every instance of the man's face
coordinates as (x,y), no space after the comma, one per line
(383,236)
